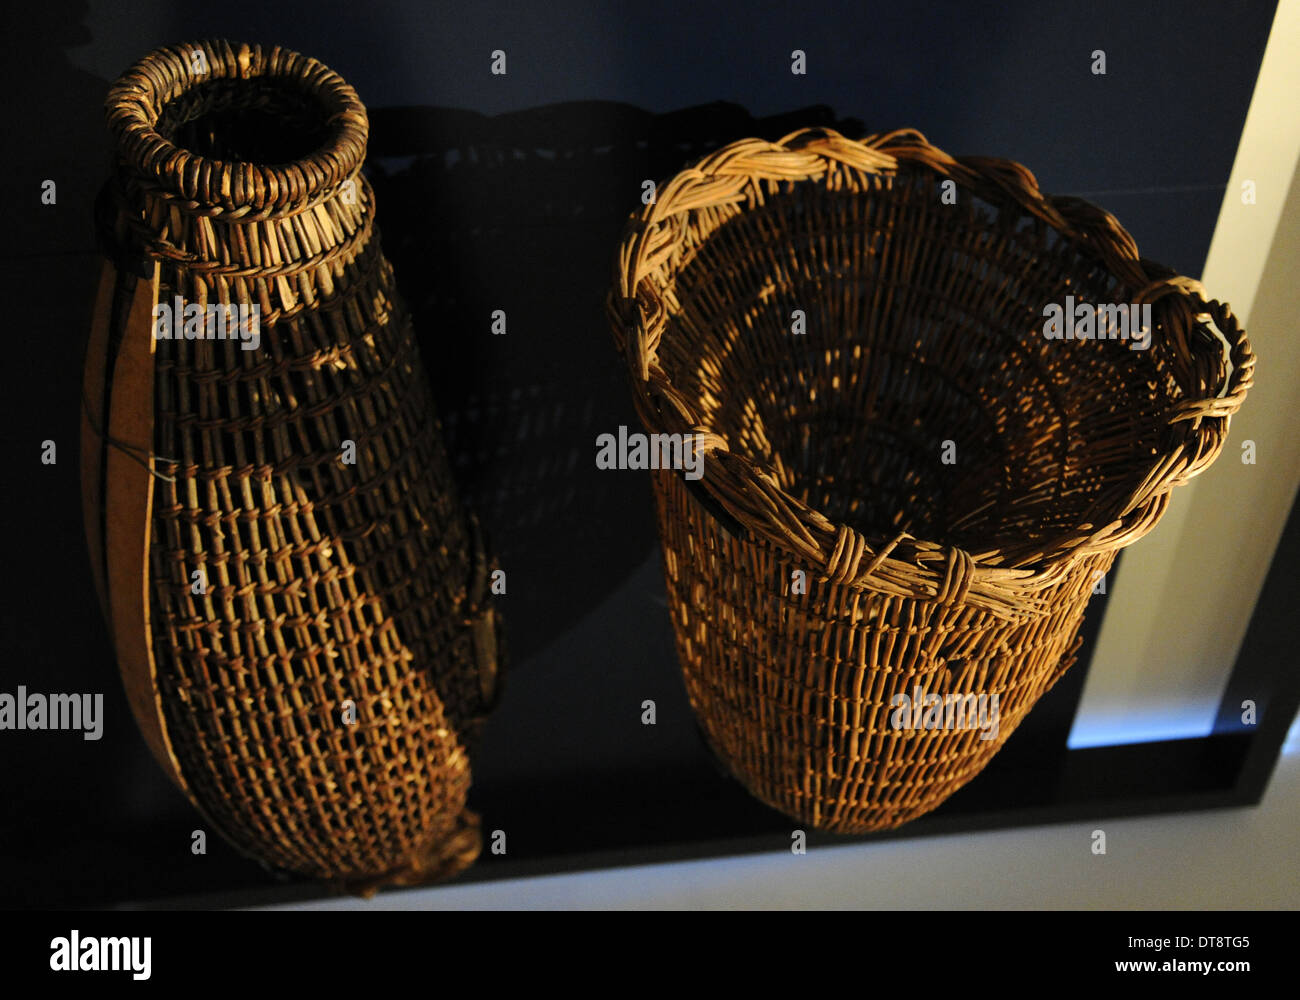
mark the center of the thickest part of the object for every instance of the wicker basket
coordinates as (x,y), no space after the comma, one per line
(297,600)
(907,488)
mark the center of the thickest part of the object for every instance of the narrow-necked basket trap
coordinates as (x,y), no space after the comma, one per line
(909,489)
(297,599)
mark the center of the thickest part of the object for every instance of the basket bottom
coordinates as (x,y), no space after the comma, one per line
(438,861)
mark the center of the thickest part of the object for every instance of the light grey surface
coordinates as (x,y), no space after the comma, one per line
(1222,859)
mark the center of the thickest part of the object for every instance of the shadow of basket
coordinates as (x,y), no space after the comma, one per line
(504,224)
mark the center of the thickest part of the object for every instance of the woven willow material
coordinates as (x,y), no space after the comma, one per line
(865,371)
(331,586)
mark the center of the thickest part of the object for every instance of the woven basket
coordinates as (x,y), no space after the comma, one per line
(907,488)
(297,600)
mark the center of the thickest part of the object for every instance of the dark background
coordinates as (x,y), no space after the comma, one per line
(510,193)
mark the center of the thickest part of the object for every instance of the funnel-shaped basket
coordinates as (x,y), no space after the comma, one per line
(921,406)
(297,600)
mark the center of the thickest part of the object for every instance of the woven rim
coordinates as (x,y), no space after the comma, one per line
(1213,381)
(224,187)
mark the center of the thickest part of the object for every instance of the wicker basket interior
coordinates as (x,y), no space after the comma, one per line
(923,325)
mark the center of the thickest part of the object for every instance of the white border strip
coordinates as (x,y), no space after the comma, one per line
(1179,606)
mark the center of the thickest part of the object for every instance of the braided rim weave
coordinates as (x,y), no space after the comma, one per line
(1005,583)
(235,189)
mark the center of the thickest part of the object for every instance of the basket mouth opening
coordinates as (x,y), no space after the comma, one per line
(276,123)
(922,395)
(237,127)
